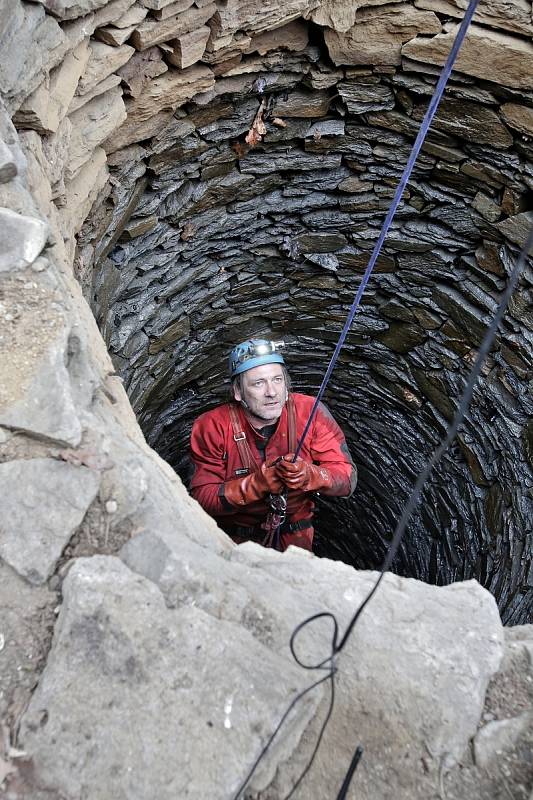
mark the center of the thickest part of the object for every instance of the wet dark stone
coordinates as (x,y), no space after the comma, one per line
(304,103)
(317,180)
(494,510)
(272,161)
(401,338)
(434,387)
(466,316)
(349,146)
(294,129)
(187,149)
(230,122)
(321,242)
(358,261)
(528,441)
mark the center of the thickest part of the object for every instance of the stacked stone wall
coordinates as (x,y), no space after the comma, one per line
(244,157)
(178,175)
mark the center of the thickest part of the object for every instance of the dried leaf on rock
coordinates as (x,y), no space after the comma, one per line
(258,129)
(411,398)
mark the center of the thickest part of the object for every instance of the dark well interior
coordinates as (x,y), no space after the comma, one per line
(225,241)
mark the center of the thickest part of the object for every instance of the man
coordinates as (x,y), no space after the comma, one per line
(243,452)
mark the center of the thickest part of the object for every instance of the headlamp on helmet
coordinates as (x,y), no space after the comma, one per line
(254,353)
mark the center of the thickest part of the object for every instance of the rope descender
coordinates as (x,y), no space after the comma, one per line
(275,519)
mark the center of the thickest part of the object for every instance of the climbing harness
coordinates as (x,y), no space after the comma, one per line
(239,437)
(328,664)
(275,520)
(278,502)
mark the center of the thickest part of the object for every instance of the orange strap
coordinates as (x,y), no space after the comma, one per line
(291,423)
(239,437)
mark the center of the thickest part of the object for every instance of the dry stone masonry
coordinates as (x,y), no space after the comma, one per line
(177,175)
(207,237)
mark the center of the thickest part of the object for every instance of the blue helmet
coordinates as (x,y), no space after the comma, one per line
(254,353)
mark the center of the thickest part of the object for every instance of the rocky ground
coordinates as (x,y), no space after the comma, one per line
(26,627)
(500,762)
(403,691)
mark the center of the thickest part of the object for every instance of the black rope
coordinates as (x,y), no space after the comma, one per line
(329,663)
(486,344)
(278,727)
(349,775)
(336,646)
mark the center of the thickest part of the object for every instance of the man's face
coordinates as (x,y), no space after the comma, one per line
(264,391)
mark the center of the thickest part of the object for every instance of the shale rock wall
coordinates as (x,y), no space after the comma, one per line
(249,180)
(196,172)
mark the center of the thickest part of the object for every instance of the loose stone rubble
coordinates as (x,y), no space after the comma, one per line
(138,187)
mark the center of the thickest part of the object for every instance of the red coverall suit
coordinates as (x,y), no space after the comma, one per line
(217,459)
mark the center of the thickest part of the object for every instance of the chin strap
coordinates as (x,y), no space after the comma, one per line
(278,502)
(239,437)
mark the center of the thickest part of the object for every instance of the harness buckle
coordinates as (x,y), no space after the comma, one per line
(278,503)
(240,437)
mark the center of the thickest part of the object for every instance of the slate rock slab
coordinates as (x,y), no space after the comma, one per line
(360,98)
(517,228)
(36,393)
(469,121)
(8,167)
(138,700)
(25,622)
(379,33)
(44,502)
(30,41)
(70,9)
(44,109)
(91,125)
(486,54)
(21,239)
(11,145)
(412,677)
(498,736)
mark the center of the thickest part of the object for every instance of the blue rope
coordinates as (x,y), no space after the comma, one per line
(426,122)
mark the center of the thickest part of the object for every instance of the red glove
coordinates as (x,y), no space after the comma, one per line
(243,491)
(303,475)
